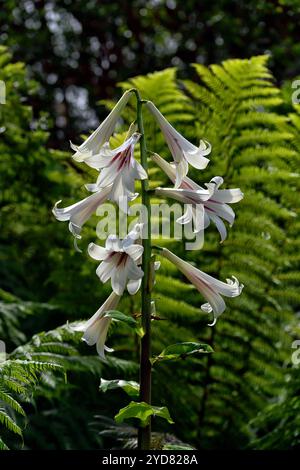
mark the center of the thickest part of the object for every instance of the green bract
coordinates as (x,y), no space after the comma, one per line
(129,386)
(182,350)
(143,412)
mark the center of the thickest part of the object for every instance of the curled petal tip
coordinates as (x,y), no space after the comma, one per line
(78,327)
(157,265)
(76,246)
(55,209)
(97,252)
(90,248)
(56,204)
(75,230)
(207,308)
(73,146)
(205,147)
(91,187)
(213,323)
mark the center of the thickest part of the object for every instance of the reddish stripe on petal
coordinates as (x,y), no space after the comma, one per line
(209,209)
(122,259)
(216,202)
(185,185)
(125,158)
(116,157)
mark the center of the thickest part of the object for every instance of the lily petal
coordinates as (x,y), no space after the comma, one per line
(133,286)
(134,251)
(228,195)
(187,217)
(95,329)
(81,211)
(182,150)
(106,268)
(113,243)
(95,141)
(118,169)
(97,252)
(170,170)
(119,261)
(118,279)
(134,271)
(220,226)
(100,346)
(212,289)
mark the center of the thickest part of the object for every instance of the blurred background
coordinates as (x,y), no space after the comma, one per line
(64,63)
(78,50)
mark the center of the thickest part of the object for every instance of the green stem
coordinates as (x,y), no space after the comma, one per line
(144,434)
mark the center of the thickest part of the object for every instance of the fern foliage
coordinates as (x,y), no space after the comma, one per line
(18,377)
(236,107)
(277,425)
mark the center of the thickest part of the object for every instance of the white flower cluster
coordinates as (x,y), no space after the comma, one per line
(118,170)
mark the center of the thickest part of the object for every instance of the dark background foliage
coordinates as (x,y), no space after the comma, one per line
(78,50)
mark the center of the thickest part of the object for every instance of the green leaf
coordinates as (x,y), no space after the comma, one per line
(140,331)
(177,447)
(120,316)
(143,411)
(181,350)
(131,387)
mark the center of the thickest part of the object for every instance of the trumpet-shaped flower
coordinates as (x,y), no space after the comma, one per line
(81,211)
(118,168)
(101,135)
(115,182)
(212,289)
(95,329)
(183,151)
(119,261)
(203,205)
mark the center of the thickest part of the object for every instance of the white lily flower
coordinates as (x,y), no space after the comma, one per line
(81,211)
(97,139)
(95,329)
(203,205)
(120,259)
(115,183)
(212,289)
(118,168)
(183,151)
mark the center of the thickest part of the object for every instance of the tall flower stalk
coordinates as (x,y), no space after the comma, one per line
(144,434)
